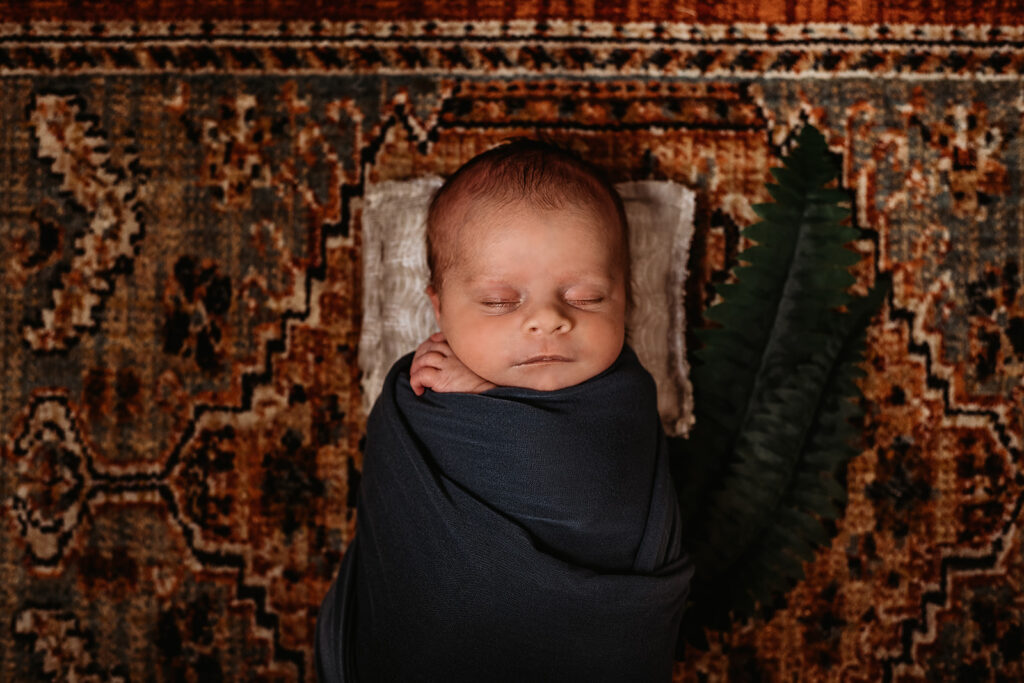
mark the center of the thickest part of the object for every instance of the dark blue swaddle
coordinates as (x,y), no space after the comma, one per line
(515,535)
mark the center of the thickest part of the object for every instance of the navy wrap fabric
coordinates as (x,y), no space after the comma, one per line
(511,535)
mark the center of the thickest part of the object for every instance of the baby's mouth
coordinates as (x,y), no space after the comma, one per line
(543,359)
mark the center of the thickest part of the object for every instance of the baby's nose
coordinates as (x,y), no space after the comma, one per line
(550,319)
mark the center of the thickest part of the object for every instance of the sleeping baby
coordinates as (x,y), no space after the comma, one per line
(516,519)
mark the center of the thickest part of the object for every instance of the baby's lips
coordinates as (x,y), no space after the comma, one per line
(544,358)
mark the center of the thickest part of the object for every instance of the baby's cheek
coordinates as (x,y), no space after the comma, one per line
(486,367)
(472,353)
(608,341)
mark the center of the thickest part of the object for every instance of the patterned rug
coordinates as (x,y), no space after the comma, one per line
(180,260)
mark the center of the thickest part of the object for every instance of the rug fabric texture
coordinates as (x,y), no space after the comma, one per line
(181,260)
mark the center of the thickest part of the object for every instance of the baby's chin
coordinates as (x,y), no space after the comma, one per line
(548,376)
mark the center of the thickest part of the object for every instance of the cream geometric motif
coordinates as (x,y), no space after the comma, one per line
(109,194)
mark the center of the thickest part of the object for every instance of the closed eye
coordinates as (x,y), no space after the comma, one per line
(585,302)
(500,305)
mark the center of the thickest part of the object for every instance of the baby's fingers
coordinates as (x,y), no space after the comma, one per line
(424,347)
(427,359)
(431,344)
(424,378)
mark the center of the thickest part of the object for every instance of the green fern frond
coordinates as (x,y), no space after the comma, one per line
(774,388)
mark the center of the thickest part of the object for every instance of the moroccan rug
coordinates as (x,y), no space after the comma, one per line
(180,279)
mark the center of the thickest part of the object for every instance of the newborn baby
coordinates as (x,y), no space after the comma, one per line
(516,519)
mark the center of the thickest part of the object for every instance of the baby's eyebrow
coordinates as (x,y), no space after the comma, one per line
(485,281)
(590,280)
(570,283)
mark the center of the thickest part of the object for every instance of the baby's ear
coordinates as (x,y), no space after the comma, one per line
(435,301)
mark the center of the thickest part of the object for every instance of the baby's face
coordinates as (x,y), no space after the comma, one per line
(536,298)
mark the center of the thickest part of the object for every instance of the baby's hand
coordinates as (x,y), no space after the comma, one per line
(435,366)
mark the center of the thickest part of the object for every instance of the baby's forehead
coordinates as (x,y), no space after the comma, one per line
(491,229)
(498,237)
(469,210)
